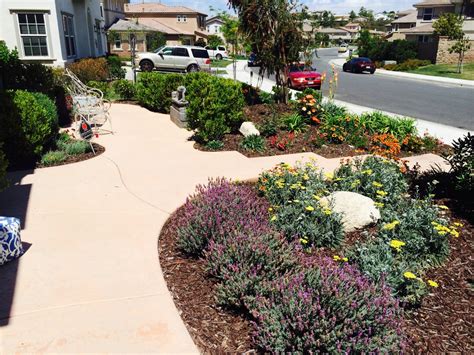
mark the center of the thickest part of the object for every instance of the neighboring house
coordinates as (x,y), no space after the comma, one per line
(336,34)
(179,25)
(404,20)
(113,10)
(214,25)
(53,31)
(430,46)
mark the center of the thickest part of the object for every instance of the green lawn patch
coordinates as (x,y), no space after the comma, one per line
(220,63)
(447,70)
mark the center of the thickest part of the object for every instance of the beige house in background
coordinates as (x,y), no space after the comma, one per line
(179,25)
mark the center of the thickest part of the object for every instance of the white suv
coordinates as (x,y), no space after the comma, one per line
(175,58)
(219,52)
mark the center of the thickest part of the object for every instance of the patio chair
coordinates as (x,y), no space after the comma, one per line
(88,104)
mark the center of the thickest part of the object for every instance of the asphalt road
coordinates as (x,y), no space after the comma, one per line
(448,104)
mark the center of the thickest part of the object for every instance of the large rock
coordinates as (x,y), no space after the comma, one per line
(357,210)
(248,129)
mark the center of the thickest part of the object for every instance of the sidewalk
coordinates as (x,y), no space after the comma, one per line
(446,133)
(438,79)
(91,281)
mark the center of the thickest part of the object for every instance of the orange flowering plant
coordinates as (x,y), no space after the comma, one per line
(385,145)
(309,106)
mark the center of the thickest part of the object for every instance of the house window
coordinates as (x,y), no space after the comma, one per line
(69,37)
(427,14)
(425,39)
(216,29)
(182,18)
(33,34)
(118,43)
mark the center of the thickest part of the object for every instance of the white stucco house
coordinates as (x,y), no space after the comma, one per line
(213,26)
(53,31)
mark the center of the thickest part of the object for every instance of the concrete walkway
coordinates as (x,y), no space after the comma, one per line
(439,79)
(446,133)
(90,280)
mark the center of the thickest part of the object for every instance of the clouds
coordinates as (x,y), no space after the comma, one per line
(345,6)
(336,6)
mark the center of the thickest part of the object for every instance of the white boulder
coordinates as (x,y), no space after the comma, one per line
(357,210)
(249,129)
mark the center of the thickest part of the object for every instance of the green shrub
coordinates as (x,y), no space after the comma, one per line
(3,169)
(29,124)
(125,89)
(462,164)
(53,158)
(374,177)
(90,69)
(330,110)
(378,123)
(251,95)
(153,90)
(215,105)
(114,64)
(215,145)
(411,64)
(74,147)
(295,123)
(390,66)
(253,143)
(416,223)
(270,124)
(100,85)
(267,98)
(344,129)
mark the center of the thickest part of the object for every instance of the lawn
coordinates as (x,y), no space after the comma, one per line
(220,63)
(447,70)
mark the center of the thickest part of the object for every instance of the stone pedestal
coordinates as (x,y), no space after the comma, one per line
(178,116)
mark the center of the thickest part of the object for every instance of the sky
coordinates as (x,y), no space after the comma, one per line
(336,6)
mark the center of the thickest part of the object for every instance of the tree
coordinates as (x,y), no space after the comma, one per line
(214,41)
(274,29)
(352,15)
(155,40)
(200,42)
(325,19)
(451,25)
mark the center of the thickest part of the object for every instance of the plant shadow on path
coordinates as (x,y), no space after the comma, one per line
(13,203)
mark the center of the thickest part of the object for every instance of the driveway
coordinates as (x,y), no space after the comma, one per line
(90,280)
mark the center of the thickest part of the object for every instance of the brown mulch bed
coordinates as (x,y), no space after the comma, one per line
(77,158)
(443,323)
(301,142)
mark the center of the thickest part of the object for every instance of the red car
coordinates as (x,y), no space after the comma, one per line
(359,65)
(302,76)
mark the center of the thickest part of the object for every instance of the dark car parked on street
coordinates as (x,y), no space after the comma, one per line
(359,65)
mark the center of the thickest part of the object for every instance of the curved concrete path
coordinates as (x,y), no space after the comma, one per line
(90,280)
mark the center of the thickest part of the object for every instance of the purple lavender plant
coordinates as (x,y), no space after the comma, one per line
(328,308)
(217,210)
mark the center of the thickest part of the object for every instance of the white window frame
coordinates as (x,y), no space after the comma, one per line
(20,35)
(68,36)
(425,14)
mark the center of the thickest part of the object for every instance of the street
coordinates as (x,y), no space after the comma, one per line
(443,103)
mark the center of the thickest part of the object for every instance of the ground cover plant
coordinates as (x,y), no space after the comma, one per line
(286,288)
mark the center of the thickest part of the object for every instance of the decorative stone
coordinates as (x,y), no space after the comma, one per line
(249,129)
(178,107)
(10,242)
(357,210)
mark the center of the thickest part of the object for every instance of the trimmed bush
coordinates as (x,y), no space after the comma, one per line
(243,263)
(29,124)
(100,85)
(125,89)
(90,69)
(74,147)
(218,210)
(410,64)
(216,105)
(328,308)
(114,64)
(153,90)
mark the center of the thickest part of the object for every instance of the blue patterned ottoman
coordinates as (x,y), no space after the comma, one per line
(10,242)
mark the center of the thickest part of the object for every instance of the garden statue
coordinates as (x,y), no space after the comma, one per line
(178,107)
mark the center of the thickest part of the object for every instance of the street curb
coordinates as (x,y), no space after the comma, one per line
(419,77)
